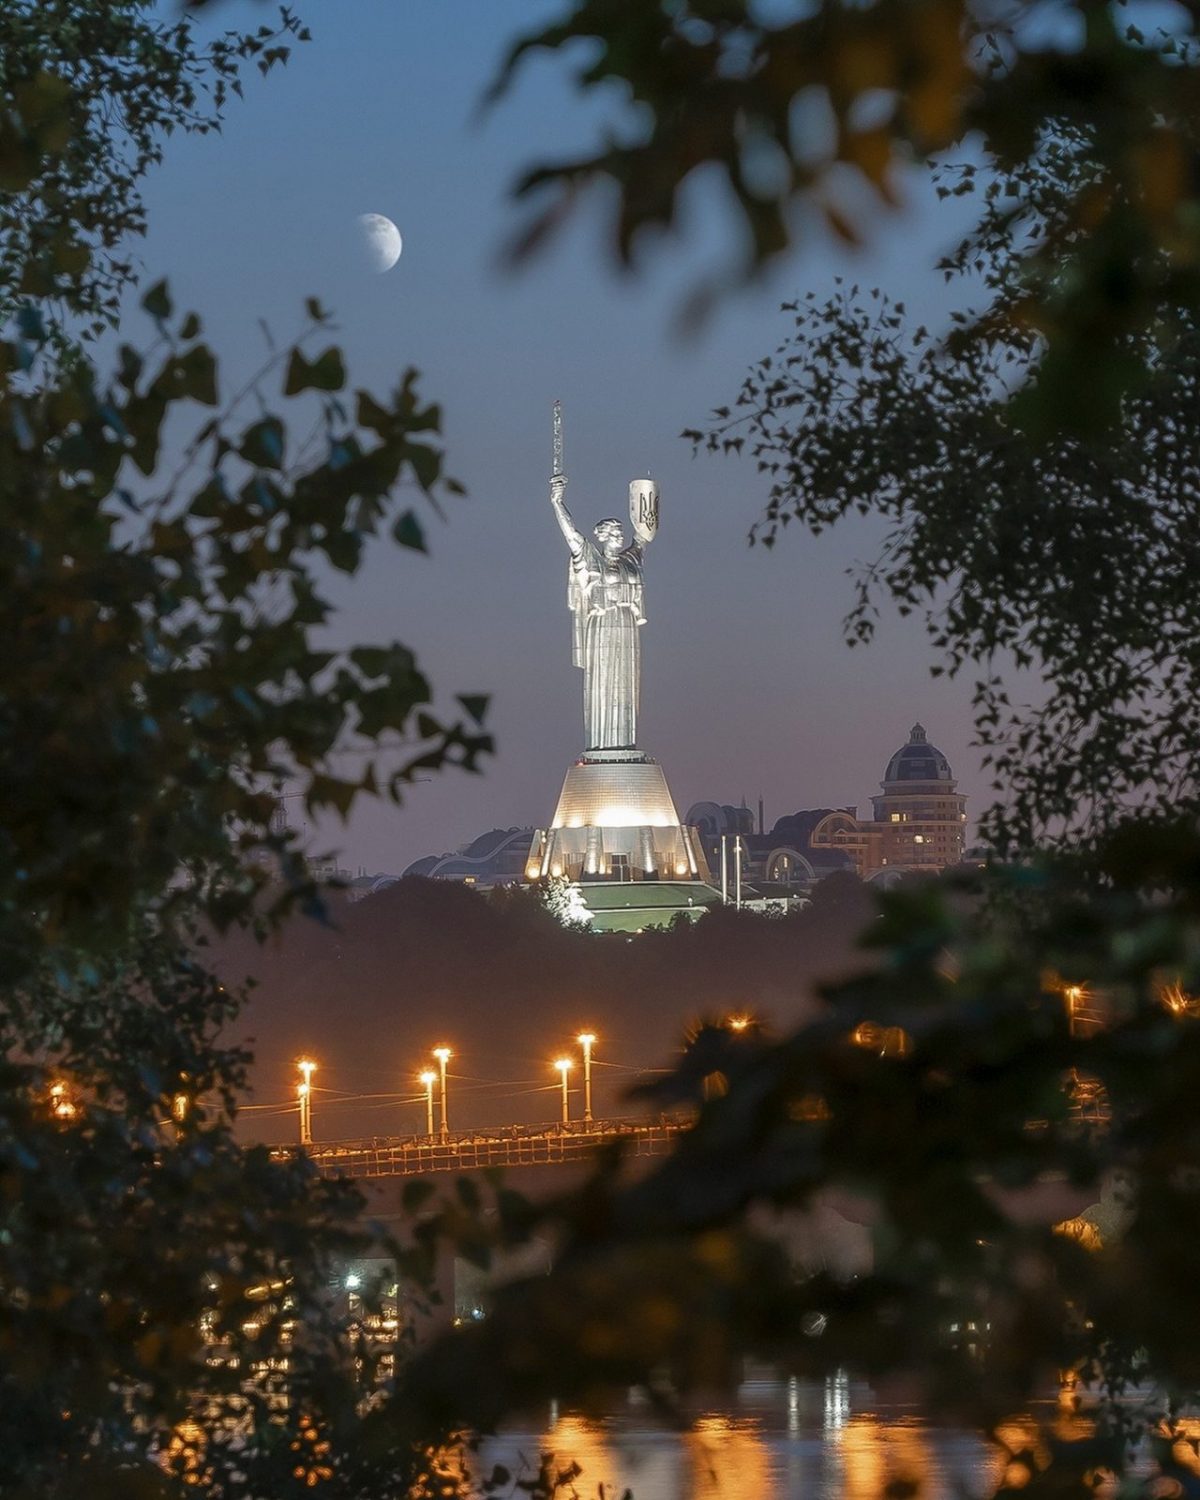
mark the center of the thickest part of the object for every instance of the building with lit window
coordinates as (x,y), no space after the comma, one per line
(919,817)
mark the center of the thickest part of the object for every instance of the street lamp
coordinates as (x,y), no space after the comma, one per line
(443,1055)
(1073,994)
(586,1040)
(563,1064)
(428,1078)
(304,1093)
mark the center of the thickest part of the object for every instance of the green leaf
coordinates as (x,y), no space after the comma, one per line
(409,533)
(157,302)
(262,444)
(212,499)
(475,704)
(372,416)
(426,464)
(326,373)
(192,375)
(414,1195)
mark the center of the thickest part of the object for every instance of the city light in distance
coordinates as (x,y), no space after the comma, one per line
(60,1101)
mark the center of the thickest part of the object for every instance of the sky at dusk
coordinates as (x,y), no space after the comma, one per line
(748,688)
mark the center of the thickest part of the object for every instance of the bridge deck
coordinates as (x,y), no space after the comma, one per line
(537,1146)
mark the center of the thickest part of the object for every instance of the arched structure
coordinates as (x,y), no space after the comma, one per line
(494,858)
(787,866)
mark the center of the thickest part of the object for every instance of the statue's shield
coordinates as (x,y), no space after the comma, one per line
(643,509)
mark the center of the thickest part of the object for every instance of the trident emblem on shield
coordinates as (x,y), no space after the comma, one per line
(643,509)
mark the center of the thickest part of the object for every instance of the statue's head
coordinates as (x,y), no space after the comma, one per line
(610,537)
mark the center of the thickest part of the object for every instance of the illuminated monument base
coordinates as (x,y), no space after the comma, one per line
(616,821)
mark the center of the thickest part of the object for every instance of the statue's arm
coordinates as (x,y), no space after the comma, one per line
(571,533)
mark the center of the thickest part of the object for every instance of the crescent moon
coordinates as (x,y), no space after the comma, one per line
(381,241)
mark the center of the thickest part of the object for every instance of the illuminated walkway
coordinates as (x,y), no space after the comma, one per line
(514,1146)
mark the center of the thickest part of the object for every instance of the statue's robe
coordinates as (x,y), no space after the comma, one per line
(605,596)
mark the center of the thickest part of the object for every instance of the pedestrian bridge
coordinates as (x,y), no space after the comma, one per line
(509,1146)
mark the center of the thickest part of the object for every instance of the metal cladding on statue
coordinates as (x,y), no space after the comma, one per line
(643,509)
(606,595)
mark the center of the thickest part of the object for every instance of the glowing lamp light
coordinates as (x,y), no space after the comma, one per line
(60,1102)
(443,1054)
(563,1064)
(304,1093)
(427,1078)
(738,1023)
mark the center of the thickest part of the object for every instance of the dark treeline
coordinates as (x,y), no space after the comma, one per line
(499,980)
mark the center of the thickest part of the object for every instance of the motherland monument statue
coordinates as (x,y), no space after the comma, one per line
(615,819)
(606,597)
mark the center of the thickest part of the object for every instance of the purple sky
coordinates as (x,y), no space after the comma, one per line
(748,687)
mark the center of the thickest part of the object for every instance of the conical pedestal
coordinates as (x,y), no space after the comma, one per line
(616,820)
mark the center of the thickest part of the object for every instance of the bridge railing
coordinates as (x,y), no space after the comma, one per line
(518,1146)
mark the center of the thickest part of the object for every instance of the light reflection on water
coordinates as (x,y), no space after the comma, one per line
(787,1441)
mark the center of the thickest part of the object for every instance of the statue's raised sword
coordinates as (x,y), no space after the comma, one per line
(557,471)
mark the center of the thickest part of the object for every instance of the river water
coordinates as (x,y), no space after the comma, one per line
(789,1440)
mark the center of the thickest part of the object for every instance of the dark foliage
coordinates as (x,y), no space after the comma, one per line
(818,116)
(1069,553)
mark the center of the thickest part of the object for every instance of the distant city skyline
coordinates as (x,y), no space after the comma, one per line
(749,688)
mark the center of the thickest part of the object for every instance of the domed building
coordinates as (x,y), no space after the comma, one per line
(919,822)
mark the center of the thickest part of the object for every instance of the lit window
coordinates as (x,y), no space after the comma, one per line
(895,817)
(918,838)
